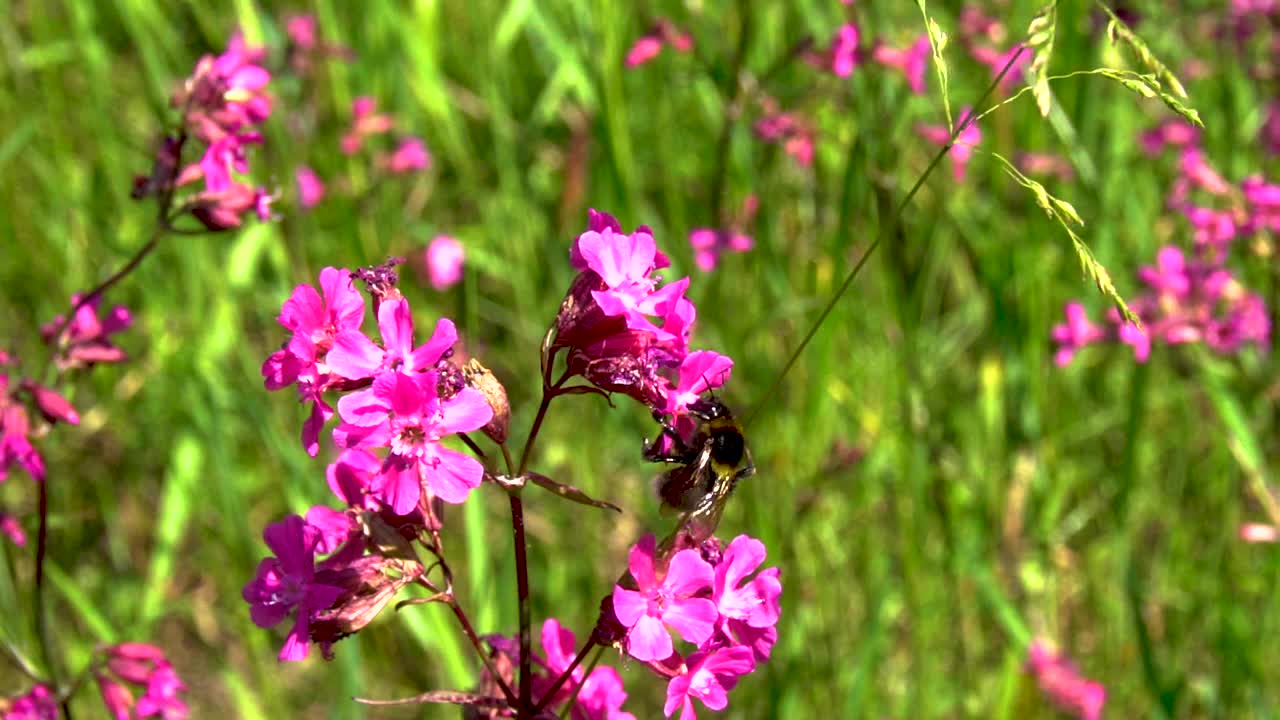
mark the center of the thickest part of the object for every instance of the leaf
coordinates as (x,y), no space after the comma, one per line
(1064,213)
(1040,37)
(1119,32)
(569,492)
(937,43)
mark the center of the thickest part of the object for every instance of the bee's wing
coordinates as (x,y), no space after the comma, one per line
(682,489)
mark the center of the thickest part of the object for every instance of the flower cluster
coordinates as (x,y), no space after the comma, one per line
(626,332)
(146,668)
(399,401)
(710,243)
(222,103)
(38,703)
(1190,297)
(709,596)
(1063,684)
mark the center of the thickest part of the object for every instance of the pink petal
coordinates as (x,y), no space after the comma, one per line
(649,640)
(456,475)
(395,322)
(296,644)
(443,338)
(365,408)
(688,573)
(354,356)
(466,411)
(399,487)
(640,561)
(693,619)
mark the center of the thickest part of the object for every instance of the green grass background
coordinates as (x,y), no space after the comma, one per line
(993,496)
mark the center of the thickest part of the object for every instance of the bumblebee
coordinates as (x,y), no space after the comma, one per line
(709,467)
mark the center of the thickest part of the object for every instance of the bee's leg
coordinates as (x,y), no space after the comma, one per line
(747,470)
(678,452)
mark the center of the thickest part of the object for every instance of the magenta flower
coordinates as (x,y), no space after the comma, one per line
(316,321)
(842,56)
(301,30)
(285,584)
(649,45)
(741,602)
(1197,170)
(912,62)
(601,694)
(365,122)
(355,356)
(601,697)
(12,529)
(975,24)
(404,413)
(351,478)
(409,156)
(962,149)
(444,258)
(701,371)
(310,187)
(787,129)
(1075,334)
(86,339)
(708,676)
(995,61)
(1170,133)
(38,704)
(659,602)
(223,157)
(624,263)
(708,244)
(15,429)
(1063,684)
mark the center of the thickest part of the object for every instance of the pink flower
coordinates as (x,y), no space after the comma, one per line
(38,704)
(15,446)
(701,371)
(285,584)
(601,694)
(444,262)
(12,529)
(1197,170)
(649,45)
(1076,333)
(86,339)
(624,263)
(355,356)
(708,244)
(1172,133)
(364,123)
(1259,533)
(301,30)
(410,155)
(144,666)
(1040,163)
(310,187)
(842,56)
(787,129)
(316,323)
(747,606)
(403,412)
(667,601)
(962,149)
(708,676)
(912,62)
(1063,684)
(995,60)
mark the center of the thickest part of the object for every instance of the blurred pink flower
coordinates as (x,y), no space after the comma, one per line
(842,56)
(1259,533)
(795,135)
(444,258)
(409,156)
(364,123)
(1042,163)
(649,45)
(962,149)
(38,704)
(310,187)
(301,30)
(12,529)
(1063,685)
(912,62)
(86,339)
(995,60)
(1175,133)
(146,667)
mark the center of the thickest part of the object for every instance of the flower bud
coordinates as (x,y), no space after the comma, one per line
(482,378)
(52,406)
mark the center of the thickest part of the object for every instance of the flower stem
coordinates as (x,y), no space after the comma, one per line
(522,595)
(547,397)
(469,630)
